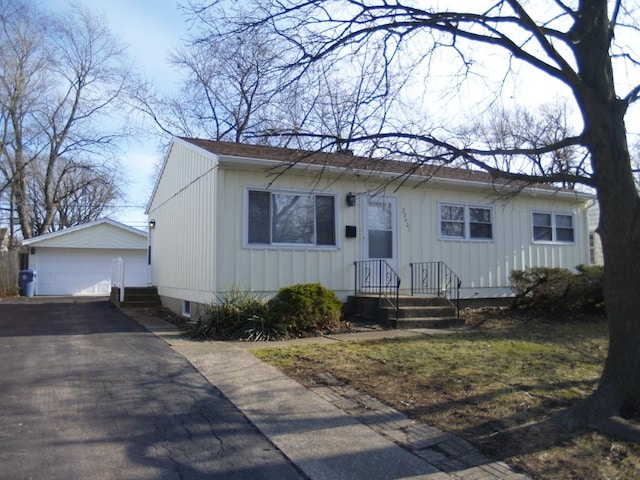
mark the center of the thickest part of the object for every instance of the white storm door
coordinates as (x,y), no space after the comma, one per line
(380,239)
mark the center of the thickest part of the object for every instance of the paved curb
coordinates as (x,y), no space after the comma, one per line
(330,431)
(446,452)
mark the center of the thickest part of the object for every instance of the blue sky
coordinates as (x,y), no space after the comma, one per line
(150,28)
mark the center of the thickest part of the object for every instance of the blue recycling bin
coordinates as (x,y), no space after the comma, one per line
(27,283)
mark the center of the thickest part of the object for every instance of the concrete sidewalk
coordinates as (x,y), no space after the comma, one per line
(331,432)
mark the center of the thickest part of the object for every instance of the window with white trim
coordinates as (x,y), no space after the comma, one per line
(286,218)
(466,222)
(553,227)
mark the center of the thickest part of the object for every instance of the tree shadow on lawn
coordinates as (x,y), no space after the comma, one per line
(542,426)
(550,440)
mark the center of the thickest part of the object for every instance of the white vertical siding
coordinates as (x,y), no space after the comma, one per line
(183,241)
(596,255)
(198,244)
(266,269)
(484,267)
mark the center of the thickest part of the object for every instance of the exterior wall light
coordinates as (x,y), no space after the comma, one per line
(351,199)
(152,224)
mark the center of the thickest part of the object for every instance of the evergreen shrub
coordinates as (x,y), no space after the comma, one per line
(307,307)
(297,310)
(558,289)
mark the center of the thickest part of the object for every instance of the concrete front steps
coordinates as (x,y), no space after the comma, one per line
(413,311)
(136,297)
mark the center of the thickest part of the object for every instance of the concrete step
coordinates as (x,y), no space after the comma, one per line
(140,303)
(426,322)
(389,312)
(138,297)
(422,301)
(422,311)
(143,289)
(406,300)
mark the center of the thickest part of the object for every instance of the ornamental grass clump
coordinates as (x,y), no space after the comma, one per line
(238,315)
(298,310)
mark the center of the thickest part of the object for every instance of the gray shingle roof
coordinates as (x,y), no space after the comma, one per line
(362,164)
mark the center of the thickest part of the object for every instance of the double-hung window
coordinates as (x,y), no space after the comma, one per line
(553,227)
(465,222)
(287,218)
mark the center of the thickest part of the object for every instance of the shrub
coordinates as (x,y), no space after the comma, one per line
(307,307)
(240,315)
(237,315)
(591,282)
(558,289)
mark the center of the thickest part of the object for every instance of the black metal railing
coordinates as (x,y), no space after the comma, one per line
(436,278)
(377,277)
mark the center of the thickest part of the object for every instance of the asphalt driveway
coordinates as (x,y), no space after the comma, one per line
(86,392)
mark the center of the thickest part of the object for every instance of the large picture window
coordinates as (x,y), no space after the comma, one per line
(553,227)
(282,218)
(466,222)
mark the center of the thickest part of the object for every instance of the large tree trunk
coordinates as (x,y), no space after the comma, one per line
(618,393)
(19,191)
(620,233)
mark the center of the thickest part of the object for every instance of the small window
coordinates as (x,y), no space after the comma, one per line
(564,228)
(480,223)
(542,227)
(465,222)
(553,227)
(186,308)
(283,218)
(452,221)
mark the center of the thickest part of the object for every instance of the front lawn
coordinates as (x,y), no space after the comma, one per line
(498,385)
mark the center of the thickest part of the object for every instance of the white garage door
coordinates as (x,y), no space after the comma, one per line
(68,271)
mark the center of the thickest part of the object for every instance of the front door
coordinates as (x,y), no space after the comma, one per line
(380,229)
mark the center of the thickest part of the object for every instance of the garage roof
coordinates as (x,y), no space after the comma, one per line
(101,233)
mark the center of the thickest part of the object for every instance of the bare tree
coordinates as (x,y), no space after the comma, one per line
(229,84)
(504,129)
(237,87)
(584,47)
(334,107)
(60,73)
(81,192)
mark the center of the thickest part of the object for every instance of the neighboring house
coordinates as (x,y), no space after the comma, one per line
(4,239)
(78,260)
(259,218)
(595,245)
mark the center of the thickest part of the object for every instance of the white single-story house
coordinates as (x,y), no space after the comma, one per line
(259,218)
(78,260)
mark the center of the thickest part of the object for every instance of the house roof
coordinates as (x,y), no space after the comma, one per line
(268,156)
(106,229)
(358,164)
(339,160)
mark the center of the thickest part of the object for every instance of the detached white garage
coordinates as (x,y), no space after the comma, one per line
(78,260)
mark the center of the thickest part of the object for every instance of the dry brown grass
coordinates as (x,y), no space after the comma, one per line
(503,384)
